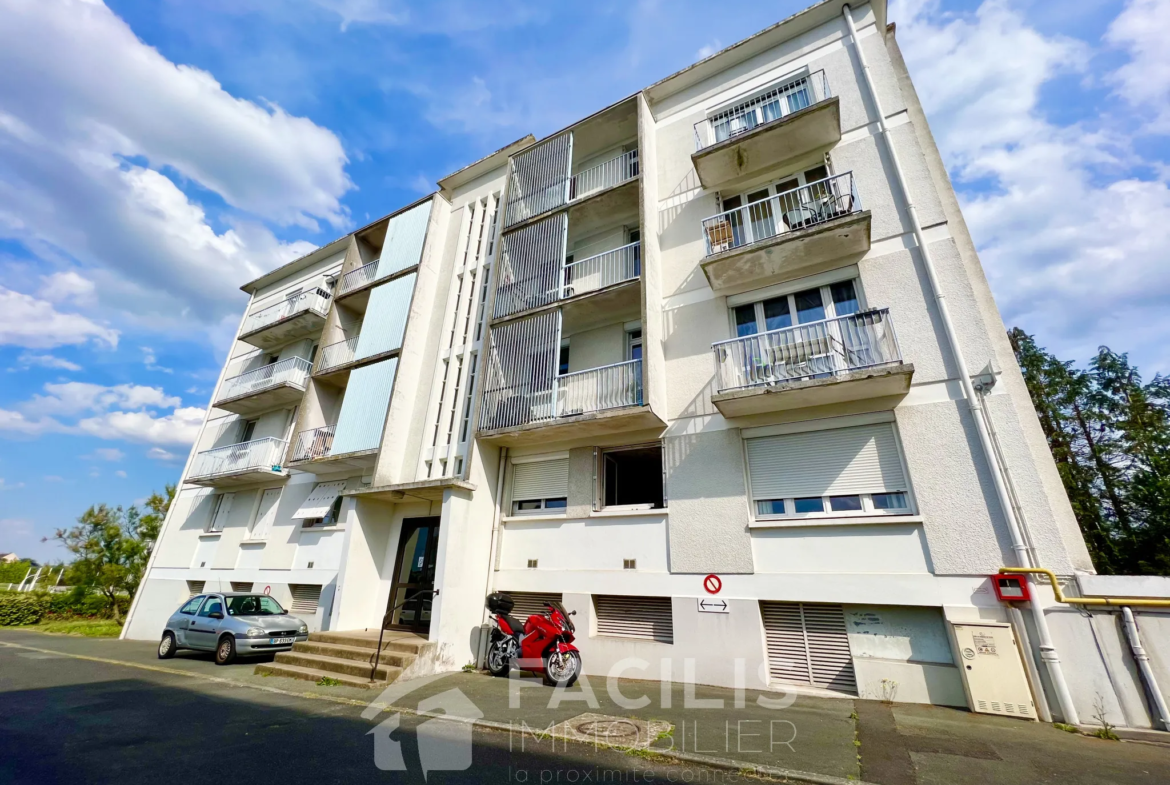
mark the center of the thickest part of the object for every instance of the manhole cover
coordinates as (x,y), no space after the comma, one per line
(605,730)
(608,730)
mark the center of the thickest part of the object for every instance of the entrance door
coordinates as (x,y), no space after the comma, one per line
(414,575)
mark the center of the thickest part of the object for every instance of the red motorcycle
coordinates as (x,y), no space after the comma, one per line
(543,644)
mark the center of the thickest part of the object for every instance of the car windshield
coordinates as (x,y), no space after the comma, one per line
(253,605)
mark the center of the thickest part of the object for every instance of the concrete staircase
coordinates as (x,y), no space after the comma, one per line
(347,657)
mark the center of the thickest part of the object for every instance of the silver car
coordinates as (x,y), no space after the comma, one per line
(231,624)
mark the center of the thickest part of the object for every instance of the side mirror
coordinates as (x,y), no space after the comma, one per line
(215,615)
(572,613)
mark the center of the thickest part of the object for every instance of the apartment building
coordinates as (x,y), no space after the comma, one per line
(717,366)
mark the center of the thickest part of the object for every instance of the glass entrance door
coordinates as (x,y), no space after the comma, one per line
(414,575)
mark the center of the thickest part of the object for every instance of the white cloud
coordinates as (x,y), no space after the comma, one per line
(120,473)
(28,359)
(1145,80)
(35,324)
(181,427)
(65,286)
(9,486)
(53,478)
(150,360)
(159,454)
(112,454)
(77,397)
(15,422)
(708,49)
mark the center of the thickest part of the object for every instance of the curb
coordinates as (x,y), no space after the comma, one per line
(727,764)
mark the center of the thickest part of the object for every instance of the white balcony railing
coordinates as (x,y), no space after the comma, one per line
(257,455)
(774,104)
(294,371)
(799,208)
(593,390)
(336,354)
(825,348)
(605,175)
(604,269)
(313,300)
(355,279)
(313,444)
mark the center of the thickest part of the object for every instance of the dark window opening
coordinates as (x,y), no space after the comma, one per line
(633,477)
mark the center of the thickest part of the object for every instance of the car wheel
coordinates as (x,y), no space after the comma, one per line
(225,652)
(167,646)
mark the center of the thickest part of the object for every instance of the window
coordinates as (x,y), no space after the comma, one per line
(828,473)
(540,486)
(647,618)
(313,353)
(265,514)
(632,477)
(813,175)
(775,102)
(330,518)
(810,305)
(563,358)
(634,344)
(220,512)
(192,604)
(253,605)
(323,506)
(247,429)
(211,605)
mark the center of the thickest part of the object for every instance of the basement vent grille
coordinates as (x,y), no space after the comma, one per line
(808,644)
(647,618)
(532,564)
(241,586)
(195,588)
(305,597)
(629,564)
(531,603)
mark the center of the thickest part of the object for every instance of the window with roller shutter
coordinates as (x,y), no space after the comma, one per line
(808,644)
(540,486)
(646,618)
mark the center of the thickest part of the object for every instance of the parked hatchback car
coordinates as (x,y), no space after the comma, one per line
(231,624)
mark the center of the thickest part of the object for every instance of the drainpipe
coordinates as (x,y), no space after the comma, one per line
(1143,663)
(1048,651)
(483,627)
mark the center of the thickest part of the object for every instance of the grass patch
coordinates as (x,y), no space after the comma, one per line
(89,628)
(1066,728)
(327,681)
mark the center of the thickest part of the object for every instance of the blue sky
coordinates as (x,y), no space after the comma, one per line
(154,155)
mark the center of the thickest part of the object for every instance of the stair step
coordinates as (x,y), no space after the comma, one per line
(334,665)
(310,674)
(399,659)
(411,644)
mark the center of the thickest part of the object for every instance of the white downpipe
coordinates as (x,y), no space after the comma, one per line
(1143,663)
(1048,651)
(496,515)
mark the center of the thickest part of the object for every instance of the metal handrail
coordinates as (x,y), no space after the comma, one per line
(294,371)
(823,348)
(314,299)
(602,270)
(774,103)
(314,443)
(355,279)
(799,208)
(386,619)
(233,458)
(336,354)
(604,175)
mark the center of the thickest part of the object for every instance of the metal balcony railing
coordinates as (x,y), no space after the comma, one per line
(355,279)
(313,300)
(294,371)
(817,349)
(313,444)
(256,455)
(799,208)
(605,175)
(593,390)
(604,269)
(775,103)
(336,354)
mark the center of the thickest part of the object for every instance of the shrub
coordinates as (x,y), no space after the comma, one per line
(21,609)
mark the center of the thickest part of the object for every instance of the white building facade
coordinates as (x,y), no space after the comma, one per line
(734,326)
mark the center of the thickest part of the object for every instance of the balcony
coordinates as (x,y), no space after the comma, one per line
(787,121)
(336,357)
(237,464)
(585,403)
(299,316)
(848,358)
(789,235)
(313,452)
(271,386)
(314,444)
(603,176)
(602,270)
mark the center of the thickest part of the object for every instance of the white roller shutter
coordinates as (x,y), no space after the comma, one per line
(541,480)
(808,644)
(648,618)
(860,459)
(305,597)
(531,603)
(320,500)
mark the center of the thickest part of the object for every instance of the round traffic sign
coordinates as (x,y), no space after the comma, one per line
(712,584)
(268,590)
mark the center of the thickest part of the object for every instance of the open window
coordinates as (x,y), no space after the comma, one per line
(323,507)
(631,478)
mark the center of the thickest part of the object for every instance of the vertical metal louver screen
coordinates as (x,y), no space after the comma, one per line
(195,588)
(531,266)
(385,320)
(860,459)
(363,410)
(541,480)
(521,373)
(539,179)
(403,245)
(808,644)
(531,603)
(239,586)
(647,618)
(305,597)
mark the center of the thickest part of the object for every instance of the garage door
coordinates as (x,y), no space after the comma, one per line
(807,644)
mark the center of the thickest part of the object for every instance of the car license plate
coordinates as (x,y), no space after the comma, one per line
(279,641)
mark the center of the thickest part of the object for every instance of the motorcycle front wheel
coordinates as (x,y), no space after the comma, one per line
(498,661)
(561,669)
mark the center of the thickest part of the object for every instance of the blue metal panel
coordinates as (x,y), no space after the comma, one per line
(403,245)
(385,320)
(363,411)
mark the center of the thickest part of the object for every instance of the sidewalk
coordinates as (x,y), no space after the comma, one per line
(834,738)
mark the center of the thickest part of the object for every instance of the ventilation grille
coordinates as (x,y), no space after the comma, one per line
(808,644)
(305,597)
(647,618)
(531,603)
(239,586)
(194,588)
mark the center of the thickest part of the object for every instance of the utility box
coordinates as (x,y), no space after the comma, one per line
(993,672)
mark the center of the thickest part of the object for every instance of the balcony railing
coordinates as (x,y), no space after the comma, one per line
(336,354)
(774,104)
(258,455)
(313,444)
(294,371)
(799,208)
(817,349)
(583,392)
(604,269)
(312,300)
(605,175)
(355,279)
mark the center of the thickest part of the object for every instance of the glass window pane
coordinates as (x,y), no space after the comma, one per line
(844,298)
(732,202)
(809,307)
(745,321)
(555,504)
(816,173)
(770,507)
(889,501)
(845,503)
(758,196)
(776,314)
(811,504)
(532,504)
(563,361)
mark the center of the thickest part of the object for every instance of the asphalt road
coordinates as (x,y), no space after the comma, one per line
(69,720)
